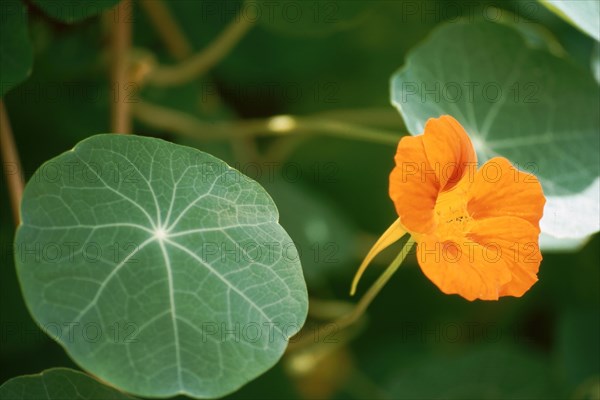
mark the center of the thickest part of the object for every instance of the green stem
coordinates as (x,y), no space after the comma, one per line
(358,311)
(12,164)
(185,124)
(349,131)
(374,290)
(200,63)
(168,29)
(121,31)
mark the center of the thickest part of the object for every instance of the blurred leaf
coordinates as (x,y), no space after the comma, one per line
(596,62)
(536,35)
(365,37)
(359,183)
(578,346)
(571,279)
(58,384)
(16,54)
(514,101)
(488,372)
(164,251)
(584,14)
(19,332)
(323,235)
(310,18)
(195,98)
(67,96)
(76,10)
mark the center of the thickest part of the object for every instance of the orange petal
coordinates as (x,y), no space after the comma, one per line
(462,268)
(391,235)
(449,150)
(516,241)
(413,185)
(500,190)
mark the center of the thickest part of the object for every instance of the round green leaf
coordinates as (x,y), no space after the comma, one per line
(16,53)
(537,110)
(58,384)
(159,268)
(77,10)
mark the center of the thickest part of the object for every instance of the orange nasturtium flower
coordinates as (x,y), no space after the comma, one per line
(476,230)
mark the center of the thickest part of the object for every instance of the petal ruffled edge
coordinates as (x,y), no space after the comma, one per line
(501,190)
(427,164)
(462,268)
(412,188)
(517,242)
(449,150)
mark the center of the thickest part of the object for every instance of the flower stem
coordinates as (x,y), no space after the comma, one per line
(168,29)
(200,63)
(358,311)
(12,164)
(185,124)
(120,46)
(374,290)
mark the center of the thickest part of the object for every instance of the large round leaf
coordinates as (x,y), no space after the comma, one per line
(58,384)
(158,267)
(16,54)
(539,111)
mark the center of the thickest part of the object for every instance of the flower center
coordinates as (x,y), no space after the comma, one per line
(451,215)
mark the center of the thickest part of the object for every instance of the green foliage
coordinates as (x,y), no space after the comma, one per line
(491,81)
(486,372)
(163,261)
(584,14)
(76,10)
(58,384)
(327,66)
(578,332)
(16,55)
(317,18)
(596,62)
(322,232)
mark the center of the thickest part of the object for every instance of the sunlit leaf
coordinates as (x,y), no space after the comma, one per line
(16,54)
(77,10)
(159,268)
(584,14)
(516,102)
(58,384)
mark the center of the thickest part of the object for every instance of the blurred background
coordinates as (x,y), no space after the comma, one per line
(299,100)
